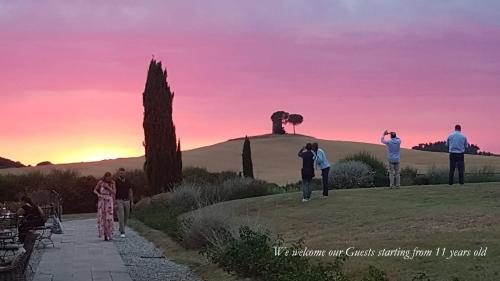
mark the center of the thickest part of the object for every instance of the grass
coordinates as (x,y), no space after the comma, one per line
(430,217)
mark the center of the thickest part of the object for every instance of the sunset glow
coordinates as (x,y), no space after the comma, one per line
(72,74)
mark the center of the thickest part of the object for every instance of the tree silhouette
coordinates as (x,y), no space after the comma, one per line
(178,168)
(247,159)
(295,119)
(440,146)
(160,141)
(279,118)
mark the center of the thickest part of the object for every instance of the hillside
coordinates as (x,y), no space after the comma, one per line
(274,158)
(7,163)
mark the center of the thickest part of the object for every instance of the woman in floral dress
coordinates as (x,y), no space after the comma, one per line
(105,191)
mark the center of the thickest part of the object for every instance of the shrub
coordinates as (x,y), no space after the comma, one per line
(239,188)
(251,254)
(433,176)
(375,274)
(351,174)
(421,276)
(156,213)
(139,182)
(408,176)
(380,177)
(184,198)
(199,228)
(201,176)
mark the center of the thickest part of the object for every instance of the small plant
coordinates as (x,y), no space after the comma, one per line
(351,174)
(251,254)
(375,274)
(421,276)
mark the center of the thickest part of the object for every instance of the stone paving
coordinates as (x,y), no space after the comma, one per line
(79,255)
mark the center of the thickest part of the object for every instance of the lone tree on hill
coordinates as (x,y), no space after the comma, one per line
(295,119)
(279,118)
(162,149)
(247,159)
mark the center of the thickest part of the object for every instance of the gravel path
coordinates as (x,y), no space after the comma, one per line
(145,262)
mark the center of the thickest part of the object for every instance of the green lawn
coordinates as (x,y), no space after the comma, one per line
(427,217)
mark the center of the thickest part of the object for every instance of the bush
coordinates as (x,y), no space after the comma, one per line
(380,177)
(201,176)
(375,274)
(408,176)
(351,174)
(139,182)
(252,254)
(184,198)
(433,176)
(198,229)
(239,188)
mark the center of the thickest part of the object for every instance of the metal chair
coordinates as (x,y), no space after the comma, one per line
(16,271)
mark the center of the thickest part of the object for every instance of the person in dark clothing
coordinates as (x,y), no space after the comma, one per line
(124,198)
(308,157)
(32,216)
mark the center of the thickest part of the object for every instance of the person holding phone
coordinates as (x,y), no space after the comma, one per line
(394,157)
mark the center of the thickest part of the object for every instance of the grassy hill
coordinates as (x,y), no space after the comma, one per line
(274,158)
(457,218)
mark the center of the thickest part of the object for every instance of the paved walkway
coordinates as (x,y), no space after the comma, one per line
(79,255)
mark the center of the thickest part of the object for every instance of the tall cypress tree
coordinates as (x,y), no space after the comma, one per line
(160,141)
(247,159)
(178,170)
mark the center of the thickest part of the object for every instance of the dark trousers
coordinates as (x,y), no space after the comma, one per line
(324,179)
(457,161)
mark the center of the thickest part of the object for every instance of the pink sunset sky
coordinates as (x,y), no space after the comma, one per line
(72,73)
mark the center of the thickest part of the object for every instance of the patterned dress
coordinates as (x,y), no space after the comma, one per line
(105,208)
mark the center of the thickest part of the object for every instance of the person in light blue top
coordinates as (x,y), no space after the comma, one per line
(457,144)
(323,164)
(394,157)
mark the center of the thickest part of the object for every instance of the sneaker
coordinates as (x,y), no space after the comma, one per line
(305,200)
(323,197)
(122,235)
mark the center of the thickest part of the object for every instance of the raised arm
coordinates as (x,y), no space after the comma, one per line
(300,152)
(382,138)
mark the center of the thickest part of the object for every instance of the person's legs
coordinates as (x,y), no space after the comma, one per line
(397,177)
(324,174)
(304,188)
(121,215)
(452,168)
(461,168)
(308,188)
(392,172)
(126,208)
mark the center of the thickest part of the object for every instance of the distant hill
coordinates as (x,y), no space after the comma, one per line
(7,163)
(274,158)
